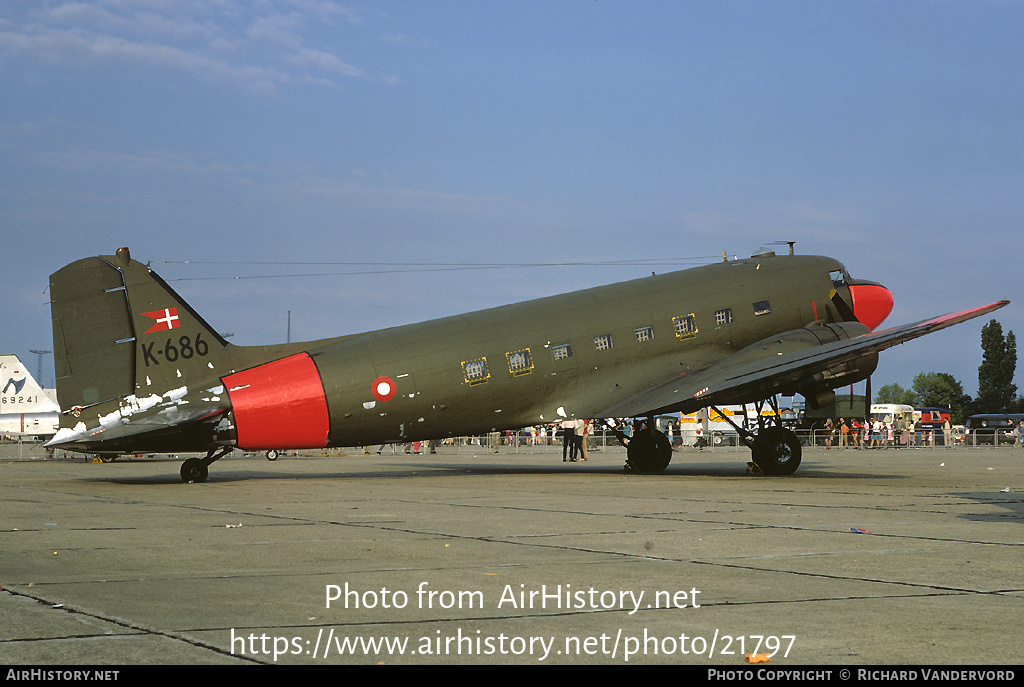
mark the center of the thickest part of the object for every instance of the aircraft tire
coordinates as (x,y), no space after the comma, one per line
(649,454)
(777,451)
(271,455)
(193,470)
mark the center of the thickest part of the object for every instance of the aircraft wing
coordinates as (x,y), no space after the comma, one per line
(745,379)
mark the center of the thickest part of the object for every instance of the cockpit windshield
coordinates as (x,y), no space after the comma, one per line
(839,278)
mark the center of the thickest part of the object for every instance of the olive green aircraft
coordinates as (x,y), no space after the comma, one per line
(139,371)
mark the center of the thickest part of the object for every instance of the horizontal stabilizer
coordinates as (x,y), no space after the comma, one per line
(136,418)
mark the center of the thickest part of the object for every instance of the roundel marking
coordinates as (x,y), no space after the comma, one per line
(383,388)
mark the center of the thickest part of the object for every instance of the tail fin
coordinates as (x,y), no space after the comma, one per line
(20,393)
(119,329)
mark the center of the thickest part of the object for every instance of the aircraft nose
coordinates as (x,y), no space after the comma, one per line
(872,303)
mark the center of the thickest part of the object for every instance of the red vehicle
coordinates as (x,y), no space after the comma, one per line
(933,418)
(931,424)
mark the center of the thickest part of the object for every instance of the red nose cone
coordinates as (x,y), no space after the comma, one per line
(872,303)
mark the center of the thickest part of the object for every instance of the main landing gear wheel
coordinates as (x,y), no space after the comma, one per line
(648,452)
(194,470)
(271,455)
(776,451)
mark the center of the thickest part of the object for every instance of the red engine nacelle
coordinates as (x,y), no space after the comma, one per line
(280,405)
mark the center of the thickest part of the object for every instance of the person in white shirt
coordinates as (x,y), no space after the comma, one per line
(568,440)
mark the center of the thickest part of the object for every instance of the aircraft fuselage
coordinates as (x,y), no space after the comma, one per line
(564,356)
(539,361)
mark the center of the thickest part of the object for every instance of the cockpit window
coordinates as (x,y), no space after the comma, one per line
(839,278)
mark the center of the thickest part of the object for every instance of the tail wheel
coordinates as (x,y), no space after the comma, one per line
(776,451)
(194,470)
(649,452)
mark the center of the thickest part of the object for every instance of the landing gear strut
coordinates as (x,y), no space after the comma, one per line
(197,469)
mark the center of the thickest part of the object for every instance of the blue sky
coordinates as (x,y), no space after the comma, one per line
(346,140)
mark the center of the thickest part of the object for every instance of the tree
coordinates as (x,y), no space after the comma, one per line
(996,389)
(939,389)
(894,393)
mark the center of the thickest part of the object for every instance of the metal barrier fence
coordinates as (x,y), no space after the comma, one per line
(23,448)
(524,441)
(720,441)
(920,439)
(531,442)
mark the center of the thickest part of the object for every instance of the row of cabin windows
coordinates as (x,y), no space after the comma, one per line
(521,362)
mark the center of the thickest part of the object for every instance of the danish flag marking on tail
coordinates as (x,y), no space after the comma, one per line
(165,319)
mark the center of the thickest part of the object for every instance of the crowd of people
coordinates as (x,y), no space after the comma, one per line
(574,436)
(884,433)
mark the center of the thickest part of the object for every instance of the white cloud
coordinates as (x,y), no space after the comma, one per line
(254,46)
(325,61)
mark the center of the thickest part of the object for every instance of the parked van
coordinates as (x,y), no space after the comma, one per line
(993,428)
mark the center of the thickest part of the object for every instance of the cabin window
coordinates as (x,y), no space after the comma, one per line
(762,308)
(603,342)
(645,333)
(520,362)
(686,326)
(561,351)
(475,371)
(723,316)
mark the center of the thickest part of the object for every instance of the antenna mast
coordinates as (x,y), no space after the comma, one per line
(39,365)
